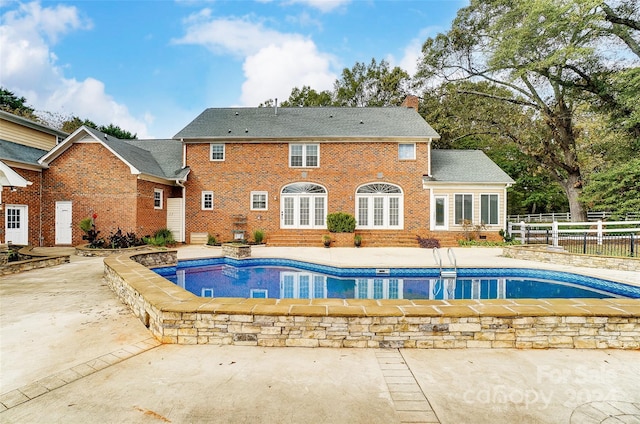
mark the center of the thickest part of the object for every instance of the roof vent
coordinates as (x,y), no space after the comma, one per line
(246,130)
(362,122)
(105,137)
(331,116)
(237,114)
(229,130)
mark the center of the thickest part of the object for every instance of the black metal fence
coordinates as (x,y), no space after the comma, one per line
(588,243)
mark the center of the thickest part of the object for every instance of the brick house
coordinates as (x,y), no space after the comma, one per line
(283,170)
(232,171)
(22,143)
(132,185)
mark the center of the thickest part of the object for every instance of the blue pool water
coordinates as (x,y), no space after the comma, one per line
(285,278)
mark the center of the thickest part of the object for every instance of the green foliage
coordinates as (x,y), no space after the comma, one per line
(616,189)
(71,124)
(486,243)
(258,236)
(211,240)
(161,238)
(341,222)
(374,84)
(357,240)
(86,224)
(11,103)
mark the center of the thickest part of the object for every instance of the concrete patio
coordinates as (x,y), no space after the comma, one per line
(71,352)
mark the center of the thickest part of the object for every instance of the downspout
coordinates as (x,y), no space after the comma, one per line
(184,205)
(41,209)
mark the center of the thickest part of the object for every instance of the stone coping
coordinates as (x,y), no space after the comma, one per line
(85,250)
(34,261)
(170,298)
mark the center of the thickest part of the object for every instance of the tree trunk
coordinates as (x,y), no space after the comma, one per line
(572,189)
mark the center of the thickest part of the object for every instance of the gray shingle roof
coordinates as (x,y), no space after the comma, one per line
(466,166)
(158,158)
(338,122)
(20,153)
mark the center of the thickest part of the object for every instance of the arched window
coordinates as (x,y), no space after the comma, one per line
(379,206)
(303,205)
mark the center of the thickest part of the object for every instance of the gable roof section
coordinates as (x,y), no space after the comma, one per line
(31,124)
(19,153)
(317,122)
(142,156)
(465,166)
(10,178)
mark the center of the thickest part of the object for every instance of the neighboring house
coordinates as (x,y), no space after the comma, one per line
(132,185)
(232,171)
(22,142)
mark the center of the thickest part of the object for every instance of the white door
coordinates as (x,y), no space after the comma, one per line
(441,213)
(63,222)
(175,218)
(16,224)
(303,211)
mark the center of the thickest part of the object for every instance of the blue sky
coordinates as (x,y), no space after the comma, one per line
(152,66)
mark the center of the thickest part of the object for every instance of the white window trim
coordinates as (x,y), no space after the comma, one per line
(498,208)
(204,193)
(266,196)
(473,207)
(407,144)
(224,152)
(161,192)
(304,155)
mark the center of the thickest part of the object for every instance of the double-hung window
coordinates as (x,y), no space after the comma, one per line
(489,209)
(304,155)
(463,208)
(157,198)
(407,151)
(217,152)
(259,201)
(207,200)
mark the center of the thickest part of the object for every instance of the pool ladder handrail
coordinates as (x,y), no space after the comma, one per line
(446,273)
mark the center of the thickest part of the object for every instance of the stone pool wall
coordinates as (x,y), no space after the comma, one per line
(544,253)
(174,315)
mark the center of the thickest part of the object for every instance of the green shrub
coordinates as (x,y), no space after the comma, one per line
(341,222)
(86,225)
(161,238)
(258,236)
(211,240)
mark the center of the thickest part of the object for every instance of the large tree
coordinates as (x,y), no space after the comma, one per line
(375,84)
(11,103)
(542,52)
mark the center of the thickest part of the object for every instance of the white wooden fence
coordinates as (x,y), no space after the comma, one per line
(617,238)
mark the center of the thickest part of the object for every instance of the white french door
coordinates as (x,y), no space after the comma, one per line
(16,228)
(303,205)
(303,211)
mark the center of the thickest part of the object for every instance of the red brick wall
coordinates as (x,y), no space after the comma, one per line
(29,196)
(95,181)
(264,167)
(149,219)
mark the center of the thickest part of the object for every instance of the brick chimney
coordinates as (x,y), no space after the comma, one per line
(411,102)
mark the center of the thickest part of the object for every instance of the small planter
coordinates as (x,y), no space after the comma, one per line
(326,241)
(236,250)
(357,240)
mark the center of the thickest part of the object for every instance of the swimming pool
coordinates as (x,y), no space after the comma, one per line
(286,278)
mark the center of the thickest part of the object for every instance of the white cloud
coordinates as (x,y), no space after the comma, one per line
(276,69)
(274,62)
(413,51)
(321,5)
(29,67)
